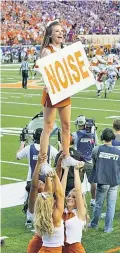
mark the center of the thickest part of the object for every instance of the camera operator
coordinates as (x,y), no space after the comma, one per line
(106,173)
(31,153)
(84,140)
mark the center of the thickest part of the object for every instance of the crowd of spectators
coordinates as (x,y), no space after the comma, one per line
(23,22)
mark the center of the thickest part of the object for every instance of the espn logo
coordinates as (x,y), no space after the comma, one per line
(35,157)
(108,156)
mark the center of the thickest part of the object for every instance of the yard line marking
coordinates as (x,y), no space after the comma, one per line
(13,64)
(10,69)
(13,179)
(73,107)
(3,97)
(91,109)
(95,91)
(22,164)
(14,97)
(10,78)
(112,117)
(11,134)
(100,99)
(8,131)
(13,128)
(14,103)
(16,116)
(19,129)
(117,86)
(15,83)
(74,97)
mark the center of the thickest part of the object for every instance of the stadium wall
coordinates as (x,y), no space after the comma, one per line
(101,39)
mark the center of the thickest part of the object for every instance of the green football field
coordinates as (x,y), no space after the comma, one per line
(18,106)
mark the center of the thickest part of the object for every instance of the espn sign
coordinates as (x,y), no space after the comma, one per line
(66,72)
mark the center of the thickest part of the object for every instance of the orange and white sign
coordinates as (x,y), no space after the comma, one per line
(66,72)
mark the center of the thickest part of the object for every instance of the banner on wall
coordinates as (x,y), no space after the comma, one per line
(65,73)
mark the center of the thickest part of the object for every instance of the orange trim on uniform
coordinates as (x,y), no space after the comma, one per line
(67,216)
(50,250)
(51,48)
(35,244)
(46,102)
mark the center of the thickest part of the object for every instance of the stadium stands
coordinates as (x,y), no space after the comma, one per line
(23,22)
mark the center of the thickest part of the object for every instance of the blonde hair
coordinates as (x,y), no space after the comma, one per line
(43,221)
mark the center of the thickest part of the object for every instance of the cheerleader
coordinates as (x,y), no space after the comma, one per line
(49,228)
(74,215)
(53,42)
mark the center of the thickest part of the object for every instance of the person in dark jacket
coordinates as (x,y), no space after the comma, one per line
(70,179)
(106,173)
(116,128)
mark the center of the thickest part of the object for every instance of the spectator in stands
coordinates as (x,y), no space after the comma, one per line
(22,24)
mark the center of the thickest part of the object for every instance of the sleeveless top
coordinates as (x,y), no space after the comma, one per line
(56,239)
(46,102)
(73,227)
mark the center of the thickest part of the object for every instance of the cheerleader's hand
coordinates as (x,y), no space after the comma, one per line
(42,158)
(80,165)
(51,173)
(46,89)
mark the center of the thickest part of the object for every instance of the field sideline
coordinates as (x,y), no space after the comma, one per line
(18,106)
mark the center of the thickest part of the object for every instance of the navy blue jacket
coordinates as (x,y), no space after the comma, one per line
(106,165)
(34,157)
